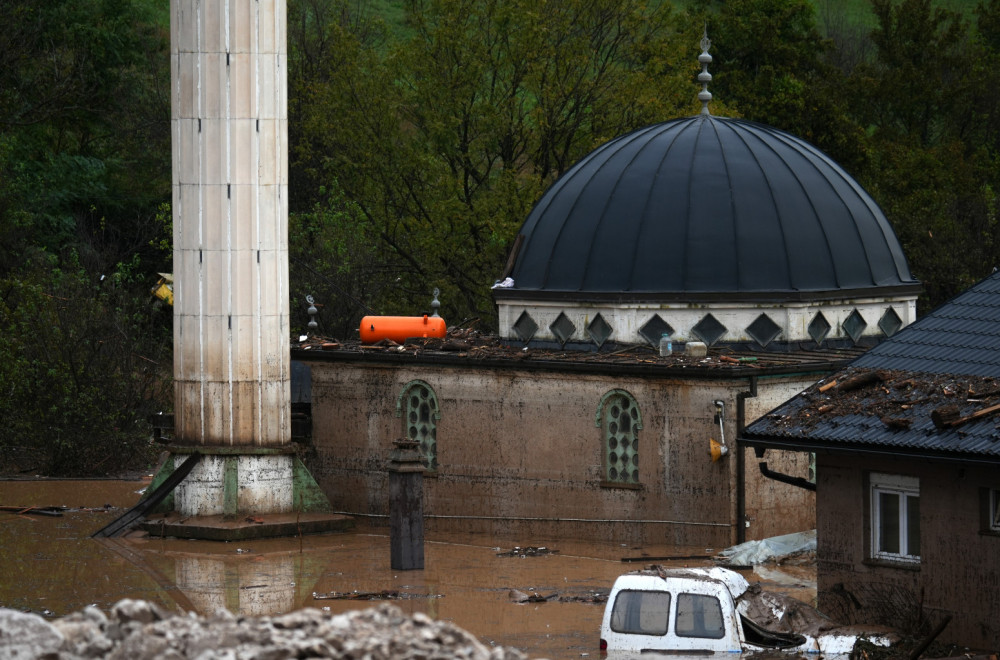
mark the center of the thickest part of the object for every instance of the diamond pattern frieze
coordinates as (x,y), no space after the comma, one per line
(562,328)
(653,329)
(854,325)
(525,327)
(709,329)
(819,328)
(890,323)
(763,330)
(599,330)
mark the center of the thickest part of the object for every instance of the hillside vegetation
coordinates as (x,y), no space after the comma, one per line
(421,133)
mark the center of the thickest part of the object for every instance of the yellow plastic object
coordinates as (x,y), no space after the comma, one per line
(164,289)
(401,328)
(717,449)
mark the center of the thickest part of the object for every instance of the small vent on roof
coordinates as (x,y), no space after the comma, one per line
(763,330)
(562,328)
(890,323)
(655,328)
(819,328)
(854,325)
(709,330)
(599,330)
(525,327)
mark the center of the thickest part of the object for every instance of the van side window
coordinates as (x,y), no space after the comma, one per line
(641,612)
(699,616)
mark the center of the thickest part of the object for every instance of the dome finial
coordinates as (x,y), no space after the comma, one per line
(705,77)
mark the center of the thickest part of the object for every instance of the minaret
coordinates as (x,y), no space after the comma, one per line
(229,128)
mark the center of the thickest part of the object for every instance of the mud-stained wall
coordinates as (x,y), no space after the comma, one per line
(959,568)
(520,452)
(774,507)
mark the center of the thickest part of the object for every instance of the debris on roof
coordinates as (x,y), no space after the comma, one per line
(472,345)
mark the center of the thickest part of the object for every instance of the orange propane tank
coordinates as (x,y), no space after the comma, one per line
(401,328)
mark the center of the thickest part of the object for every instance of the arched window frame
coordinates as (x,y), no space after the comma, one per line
(611,476)
(428,451)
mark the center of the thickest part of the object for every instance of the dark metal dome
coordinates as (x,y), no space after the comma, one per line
(703,207)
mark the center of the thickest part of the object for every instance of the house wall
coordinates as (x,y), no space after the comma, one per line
(959,569)
(520,453)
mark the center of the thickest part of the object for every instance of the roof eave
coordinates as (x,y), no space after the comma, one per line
(860,449)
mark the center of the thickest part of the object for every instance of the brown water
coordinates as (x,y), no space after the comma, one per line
(50,566)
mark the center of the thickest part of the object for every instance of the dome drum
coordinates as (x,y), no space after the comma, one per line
(843,322)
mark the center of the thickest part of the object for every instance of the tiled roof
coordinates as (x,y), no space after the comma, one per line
(947,363)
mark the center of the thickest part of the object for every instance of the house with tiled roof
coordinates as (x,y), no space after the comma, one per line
(907,452)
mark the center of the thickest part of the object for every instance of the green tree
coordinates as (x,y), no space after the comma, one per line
(84,162)
(772,65)
(932,167)
(444,141)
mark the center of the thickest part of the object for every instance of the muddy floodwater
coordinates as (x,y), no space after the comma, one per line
(50,566)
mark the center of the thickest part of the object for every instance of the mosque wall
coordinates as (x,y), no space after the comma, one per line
(523,451)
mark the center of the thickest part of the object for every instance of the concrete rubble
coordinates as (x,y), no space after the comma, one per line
(139,630)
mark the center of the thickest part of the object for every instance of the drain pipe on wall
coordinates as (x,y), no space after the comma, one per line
(759,453)
(741,482)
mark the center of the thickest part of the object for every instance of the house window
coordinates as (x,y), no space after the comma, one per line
(620,422)
(418,407)
(995,510)
(991,511)
(895,517)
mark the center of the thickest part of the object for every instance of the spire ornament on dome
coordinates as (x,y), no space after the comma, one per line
(705,77)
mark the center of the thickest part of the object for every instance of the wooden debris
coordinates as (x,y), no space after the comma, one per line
(35,510)
(860,380)
(944,416)
(898,423)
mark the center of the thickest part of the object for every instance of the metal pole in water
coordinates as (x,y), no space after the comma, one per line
(406,506)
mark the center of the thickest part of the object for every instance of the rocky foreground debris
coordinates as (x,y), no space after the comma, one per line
(139,630)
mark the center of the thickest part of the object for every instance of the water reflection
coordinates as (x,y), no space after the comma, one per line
(52,566)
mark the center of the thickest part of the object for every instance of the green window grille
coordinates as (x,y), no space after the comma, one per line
(620,422)
(418,407)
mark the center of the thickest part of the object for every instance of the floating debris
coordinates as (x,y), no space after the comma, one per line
(529,551)
(385,594)
(518,596)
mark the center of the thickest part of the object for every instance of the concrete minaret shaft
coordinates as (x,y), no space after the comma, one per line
(230,211)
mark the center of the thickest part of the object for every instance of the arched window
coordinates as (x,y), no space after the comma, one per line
(619,419)
(418,407)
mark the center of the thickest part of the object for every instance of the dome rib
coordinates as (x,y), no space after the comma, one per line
(779,221)
(783,217)
(823,219)
(579,259)
(647,221)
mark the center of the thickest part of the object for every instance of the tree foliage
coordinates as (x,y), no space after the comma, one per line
(84,161)
(445,140)
(417,151)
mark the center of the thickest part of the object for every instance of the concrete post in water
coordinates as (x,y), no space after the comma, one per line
(406,506)
(230,209)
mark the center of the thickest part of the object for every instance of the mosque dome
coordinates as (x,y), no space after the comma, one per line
(707,205)
(761,229)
